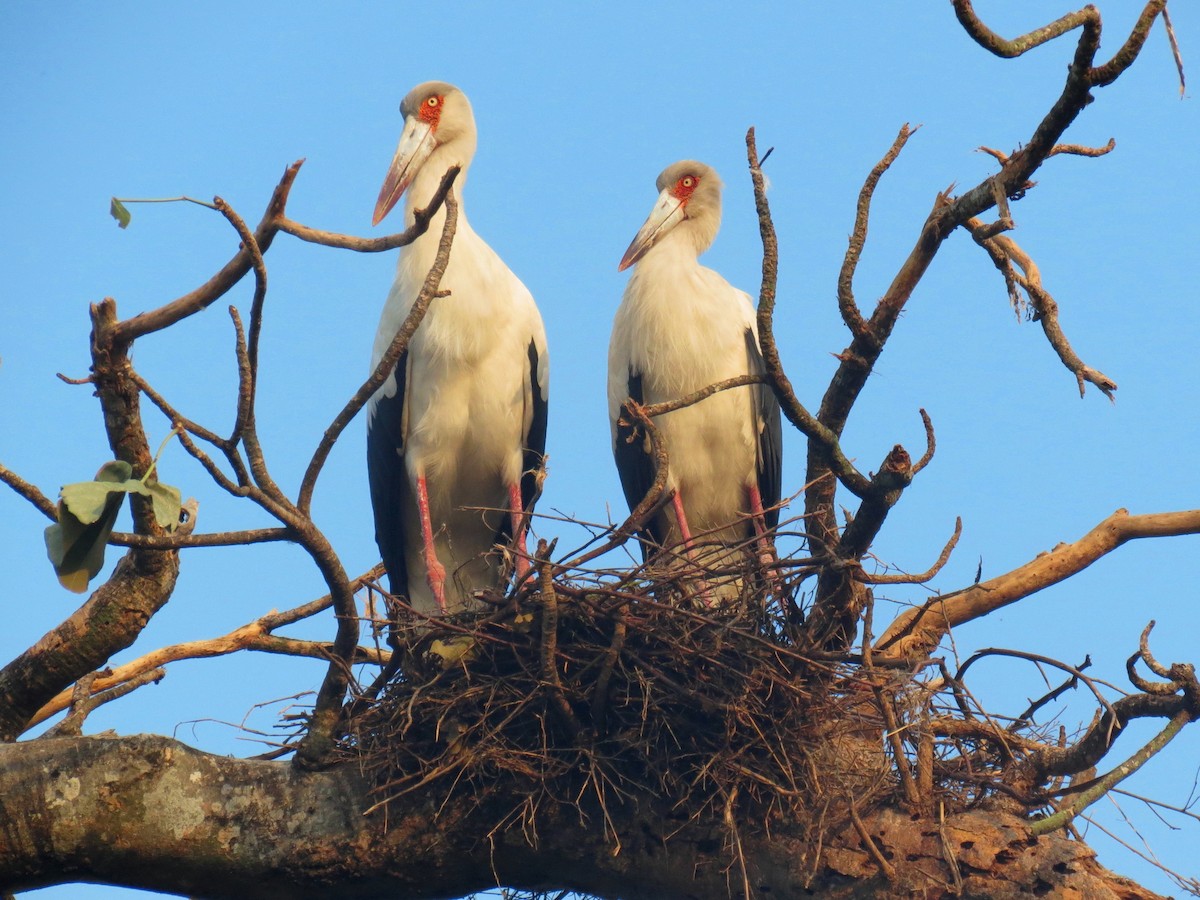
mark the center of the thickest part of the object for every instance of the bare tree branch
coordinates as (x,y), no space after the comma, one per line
(30,492)
(231,273)
(943,558)
(916,632)
(317,744)
(256,635)
(1004,251)
(421,220)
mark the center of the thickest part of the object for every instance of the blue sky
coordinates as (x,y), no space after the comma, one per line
(579,106)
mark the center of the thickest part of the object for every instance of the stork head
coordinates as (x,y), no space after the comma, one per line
(437,120)
(689,202)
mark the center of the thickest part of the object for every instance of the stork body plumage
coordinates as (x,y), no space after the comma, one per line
(455,436)
(679,328)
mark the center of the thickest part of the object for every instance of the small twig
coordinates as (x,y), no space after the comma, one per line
(549,646)
(1069,685)
(30,492)
(658,409)
(179,199)
(1106,783)
(178,541)
(600,695)
(925,576)
(858,238)
(632,413)
(1144,651)
(1042,660)
(731,826)
(246,426)
(260,276)
(800,417)
(1175,51)
(421,219)
(930,444)
(1081,150)
(85,699)
(1003,251)
(883,699)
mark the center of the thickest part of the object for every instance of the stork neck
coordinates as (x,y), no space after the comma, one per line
(423,187)
(678,248)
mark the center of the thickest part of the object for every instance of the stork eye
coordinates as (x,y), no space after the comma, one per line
(433,101)
(687,181)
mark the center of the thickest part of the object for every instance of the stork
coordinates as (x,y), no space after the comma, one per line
(457,433)
(681,327)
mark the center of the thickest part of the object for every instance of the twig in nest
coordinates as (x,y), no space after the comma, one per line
(549,649)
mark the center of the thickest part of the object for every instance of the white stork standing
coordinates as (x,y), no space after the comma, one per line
(460,425)
(679,328)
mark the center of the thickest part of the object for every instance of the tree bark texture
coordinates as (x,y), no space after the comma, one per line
(150,812)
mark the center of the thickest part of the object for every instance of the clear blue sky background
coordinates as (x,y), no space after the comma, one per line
(579,106)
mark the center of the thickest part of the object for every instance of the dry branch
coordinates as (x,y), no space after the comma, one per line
(256,635)
(1004,252)
(915,633)
(429,291)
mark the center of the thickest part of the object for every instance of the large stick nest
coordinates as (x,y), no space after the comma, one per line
(591,696)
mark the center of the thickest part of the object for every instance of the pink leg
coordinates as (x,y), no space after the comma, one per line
(681,518)
(766,553)
(435,572)
(516,511)
(685,533)
(757,516)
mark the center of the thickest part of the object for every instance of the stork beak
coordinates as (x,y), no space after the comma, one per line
(416,143)
(667,213)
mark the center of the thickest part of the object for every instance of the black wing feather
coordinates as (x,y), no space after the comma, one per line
(389,479)
(535,440)
(534,449)
(770,435)
(635,465)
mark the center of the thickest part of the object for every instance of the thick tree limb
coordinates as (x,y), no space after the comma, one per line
(107,623)
(202,825)
(113,616)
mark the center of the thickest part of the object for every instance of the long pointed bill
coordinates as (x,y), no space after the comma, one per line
(416,143)
(667,213)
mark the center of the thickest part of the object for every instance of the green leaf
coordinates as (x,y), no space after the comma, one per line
(87,500)
(167,502)
(118,211)
(87,513)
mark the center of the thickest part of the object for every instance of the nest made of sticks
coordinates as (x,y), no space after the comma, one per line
(590,696)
